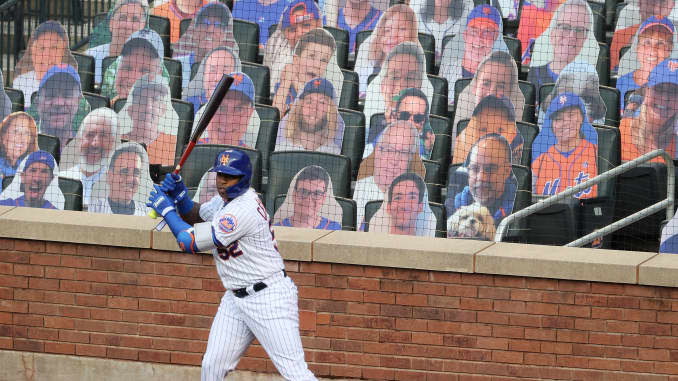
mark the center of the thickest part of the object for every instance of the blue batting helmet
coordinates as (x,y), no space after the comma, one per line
(235,163)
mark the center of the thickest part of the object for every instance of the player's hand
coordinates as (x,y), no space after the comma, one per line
(173,185)
(160,202)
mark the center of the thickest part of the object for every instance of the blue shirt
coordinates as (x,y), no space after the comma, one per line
(368,23)
(499,209)
(20,202)
(324,224)
(263,15)
(6,169)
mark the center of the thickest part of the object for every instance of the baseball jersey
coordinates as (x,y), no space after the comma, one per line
(554,171)
(246,251)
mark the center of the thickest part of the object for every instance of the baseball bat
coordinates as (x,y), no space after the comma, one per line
(210,109)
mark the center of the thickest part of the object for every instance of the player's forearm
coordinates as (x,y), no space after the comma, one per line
(192,217)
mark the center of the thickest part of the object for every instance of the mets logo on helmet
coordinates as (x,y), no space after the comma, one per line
(228,223)
(224,159)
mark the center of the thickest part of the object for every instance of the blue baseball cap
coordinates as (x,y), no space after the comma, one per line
(654,21)
(318,85)
(243,84)
(566,100)
(61,68)
(310,12)
(40,157)
(484,15)
(665,72)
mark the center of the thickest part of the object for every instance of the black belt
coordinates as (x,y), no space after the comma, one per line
(242,292)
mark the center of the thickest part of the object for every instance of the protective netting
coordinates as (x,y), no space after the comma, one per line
(428,117)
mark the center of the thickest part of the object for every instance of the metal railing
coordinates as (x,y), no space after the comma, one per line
(667,203)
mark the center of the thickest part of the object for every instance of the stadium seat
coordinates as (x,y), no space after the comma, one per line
(172,66)
(185,112)
(119,104)
(603,65)
(555,225)
(50,144)
(371,207)
(530,94)
(353,144)
(515,49)
(598,212)
(529,132)
(598,10)
(637,189)
(426,41)
(348,209)
(202,159)
(433,180)
(341,40)
(610,96)
(85,71)
(246,34)
(523,198)
(183,26)
(268,132)
(95,100)
(459,86)
(71,189)
(439,101)
(285,164)
(174,69)
(261,76)
(349,91)
(17,98)
(446,40)
(442,128)
(162,26)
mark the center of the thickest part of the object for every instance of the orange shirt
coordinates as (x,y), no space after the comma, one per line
(630,151)
(553,172)
(163,149)
(533,22)
(621,38)
(169,11)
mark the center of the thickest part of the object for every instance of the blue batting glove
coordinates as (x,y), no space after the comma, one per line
(173,185)
(160,202)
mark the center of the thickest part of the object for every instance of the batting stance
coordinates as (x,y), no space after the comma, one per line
(260,301)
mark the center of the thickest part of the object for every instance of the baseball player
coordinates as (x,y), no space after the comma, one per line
(260,301)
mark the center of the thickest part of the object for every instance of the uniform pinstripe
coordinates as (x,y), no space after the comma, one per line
(248,254)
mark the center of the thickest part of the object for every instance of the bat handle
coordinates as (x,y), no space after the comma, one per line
(152,213)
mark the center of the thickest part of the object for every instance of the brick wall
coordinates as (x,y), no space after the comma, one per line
(356,321)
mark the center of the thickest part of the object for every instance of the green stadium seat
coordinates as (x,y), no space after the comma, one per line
(202,159)
(17,98)
(353,144)
(50,144)
(85,71)
(185,112)
(96,101)
(261,76)
(246,34)
(162,26)
(371,207)
(515,49)
(285,164)
(71,189)
(603,65)
(341,40)
(174,69)
(530,94)
(348,209)
(433,180)
(439,101)
(349,91)
(268,132)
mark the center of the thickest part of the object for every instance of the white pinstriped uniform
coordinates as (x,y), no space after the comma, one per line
(247,255)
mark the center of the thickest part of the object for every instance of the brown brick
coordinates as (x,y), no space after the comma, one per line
(536,308)
(638,341)
(622,326)
(442,301)
(75,261)
(637,366)
(557,322)
(13,281)
(25,270)
(331,281)
(653,354)
(607,364)
(154,356)
(15,306)
(492,317)
(543,359)
(524,320)
(577,311)
(427,288)
(59,322)
(364,283)
(90,350)
(60,348)
(28,345)
(461,290)
(507,356)
(122,353)
(494,293)
(346,295)
(460,315)
(492,343)
(43,284)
